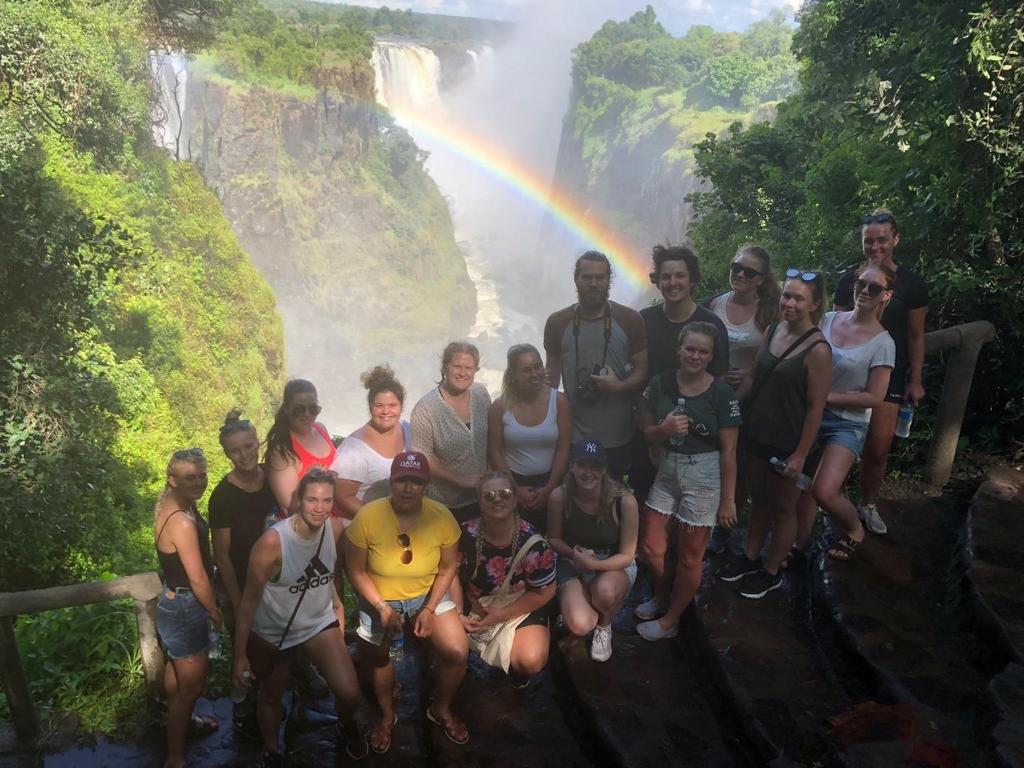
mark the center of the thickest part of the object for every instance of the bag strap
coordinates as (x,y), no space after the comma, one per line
(764,380)
(302,594)
(504,588)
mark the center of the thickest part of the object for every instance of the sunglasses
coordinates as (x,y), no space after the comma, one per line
(748,272)
(873,289)
(189,453)
(321,472)
(798,274)
(504,493)
(405,544)
(877,218)
(298,410)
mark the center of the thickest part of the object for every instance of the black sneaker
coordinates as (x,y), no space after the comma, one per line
(308,680)
(518,681)
(270,760)
(718,541)
(738,567)
(760,584)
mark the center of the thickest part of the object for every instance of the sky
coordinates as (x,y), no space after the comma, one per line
(676,15)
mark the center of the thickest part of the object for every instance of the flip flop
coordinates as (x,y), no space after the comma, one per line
(449,727)
(386,745)
(844,548)
(202,725)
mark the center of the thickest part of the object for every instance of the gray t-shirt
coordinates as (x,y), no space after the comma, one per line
(600,416)
(852,365)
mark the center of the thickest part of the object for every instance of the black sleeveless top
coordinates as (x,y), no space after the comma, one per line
(590,531)
(171,569)
(776,417)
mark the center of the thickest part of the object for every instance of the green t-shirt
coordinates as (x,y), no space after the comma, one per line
(709,412)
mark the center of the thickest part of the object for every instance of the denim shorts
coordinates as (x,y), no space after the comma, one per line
(689,486)
(839,431)
(566,571)
(182,624)
(372,631)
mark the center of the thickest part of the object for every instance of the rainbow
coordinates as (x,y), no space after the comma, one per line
(626,257)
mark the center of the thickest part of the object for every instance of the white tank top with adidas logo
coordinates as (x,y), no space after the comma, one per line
(300,571)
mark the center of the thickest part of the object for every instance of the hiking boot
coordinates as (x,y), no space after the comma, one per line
(718,541)
(648,609)
(759,584)
(871,519)
(601,643)
(308,680)
(738,567)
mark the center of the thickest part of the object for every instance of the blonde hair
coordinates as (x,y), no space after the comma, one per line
(486,477)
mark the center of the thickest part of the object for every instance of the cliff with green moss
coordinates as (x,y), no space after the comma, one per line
(642,98)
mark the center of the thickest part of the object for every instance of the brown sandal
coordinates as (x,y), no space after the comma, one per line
(844,548)
(451,726)
(380,736)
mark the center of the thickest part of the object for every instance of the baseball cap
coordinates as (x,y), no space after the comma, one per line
(410,464)
(588,450)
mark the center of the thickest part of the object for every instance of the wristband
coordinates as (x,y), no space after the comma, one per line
(429,610)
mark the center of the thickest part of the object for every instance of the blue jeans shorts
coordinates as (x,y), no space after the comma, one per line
(566,571)
(839,431)
(689,486)
(372,631)
(182,623)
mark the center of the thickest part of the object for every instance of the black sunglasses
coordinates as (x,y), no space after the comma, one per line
(298,409)
(873,289)
(748,272)
(877,218)
(405,544)
(504,493)
(798,274)
(189,453)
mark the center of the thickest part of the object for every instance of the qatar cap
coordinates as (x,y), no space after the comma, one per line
(410,464)
(589,450)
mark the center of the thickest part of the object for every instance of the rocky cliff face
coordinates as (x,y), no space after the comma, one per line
(332,203)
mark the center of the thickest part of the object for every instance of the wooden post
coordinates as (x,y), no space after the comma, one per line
(149,649)
(15,687)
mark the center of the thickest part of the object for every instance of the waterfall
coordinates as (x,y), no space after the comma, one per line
(407,77)
(171,73)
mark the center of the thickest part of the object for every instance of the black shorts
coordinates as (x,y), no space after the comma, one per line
(265,657)
(897,385)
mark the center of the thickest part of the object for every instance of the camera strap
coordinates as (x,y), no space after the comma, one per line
(577,321)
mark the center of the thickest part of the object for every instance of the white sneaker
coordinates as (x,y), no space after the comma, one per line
(601,643)
(652,630)
(648,609)
(872,520)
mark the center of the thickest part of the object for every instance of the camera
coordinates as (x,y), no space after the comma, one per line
(587,392)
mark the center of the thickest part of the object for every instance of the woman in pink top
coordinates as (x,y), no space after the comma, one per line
(296,442)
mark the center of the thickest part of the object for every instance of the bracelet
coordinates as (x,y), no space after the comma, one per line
(433,611)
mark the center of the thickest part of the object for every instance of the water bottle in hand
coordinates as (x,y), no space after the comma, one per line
(214,649)
(677,440)
(905,420)
(801,481)
(238,693)
(396,651)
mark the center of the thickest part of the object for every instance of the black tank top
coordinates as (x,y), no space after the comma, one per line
(776,417)
(171,569)
(590,531)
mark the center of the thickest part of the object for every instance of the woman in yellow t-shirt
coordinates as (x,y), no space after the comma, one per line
(401,554)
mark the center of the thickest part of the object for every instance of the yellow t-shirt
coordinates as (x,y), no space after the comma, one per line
(375,529)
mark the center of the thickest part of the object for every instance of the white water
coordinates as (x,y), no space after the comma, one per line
(408,77)
(171,73)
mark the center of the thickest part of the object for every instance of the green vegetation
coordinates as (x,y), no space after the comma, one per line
(925,119)
(132,320)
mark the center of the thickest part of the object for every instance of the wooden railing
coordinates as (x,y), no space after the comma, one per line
(144,590)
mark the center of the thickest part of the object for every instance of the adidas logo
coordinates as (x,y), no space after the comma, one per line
(316,574)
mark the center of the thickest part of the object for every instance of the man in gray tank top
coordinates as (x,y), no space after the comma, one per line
(291,601)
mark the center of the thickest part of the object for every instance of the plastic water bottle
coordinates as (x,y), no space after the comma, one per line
(680,410)
(905,420)
(396,651)
(801,481)
(214,649)
(238,693)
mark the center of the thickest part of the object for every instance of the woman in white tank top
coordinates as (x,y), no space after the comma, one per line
(529,429)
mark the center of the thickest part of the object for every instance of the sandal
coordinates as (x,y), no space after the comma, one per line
(451,726)
(355,742)
(844,548)
(201,726)
(380,736)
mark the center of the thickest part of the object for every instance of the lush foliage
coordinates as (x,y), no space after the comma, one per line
(926,119)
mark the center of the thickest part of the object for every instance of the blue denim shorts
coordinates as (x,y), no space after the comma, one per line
(566,571)
(182,623)
(372,631)
(839,431)
(689,486)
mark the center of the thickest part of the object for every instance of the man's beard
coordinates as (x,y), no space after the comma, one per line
(592,300)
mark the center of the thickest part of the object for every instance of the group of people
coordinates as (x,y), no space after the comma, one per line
(476,523)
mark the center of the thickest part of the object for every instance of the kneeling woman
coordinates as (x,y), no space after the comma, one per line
(592,525)
(187,604)
(290,600)
(506,579)
(401,554)
(696,478)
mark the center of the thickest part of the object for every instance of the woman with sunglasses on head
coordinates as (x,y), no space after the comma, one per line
(529,432)
(903,318)
(401,554)
(363,461)
(696,476)
(296,442)
(783,400)
(187,604)
(592,525)
(449,426)
(863,354)
(506,580)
